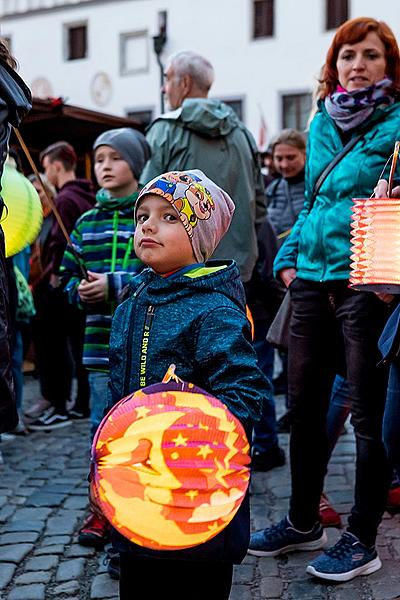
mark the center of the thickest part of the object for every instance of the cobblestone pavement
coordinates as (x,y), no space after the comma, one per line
(43,500)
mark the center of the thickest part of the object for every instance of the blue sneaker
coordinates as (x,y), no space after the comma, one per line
(347,559)
(283,537)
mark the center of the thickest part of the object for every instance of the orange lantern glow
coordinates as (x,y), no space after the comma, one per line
(375,240)
(375,244)
(171,466)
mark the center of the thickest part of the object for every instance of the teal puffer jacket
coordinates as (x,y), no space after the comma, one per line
(319,244)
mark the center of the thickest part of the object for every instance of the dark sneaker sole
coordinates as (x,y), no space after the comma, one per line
(49,427)
(92,541)
(312,545)
(367,569)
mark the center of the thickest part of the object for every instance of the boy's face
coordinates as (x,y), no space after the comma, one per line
(113,172)
(161,241)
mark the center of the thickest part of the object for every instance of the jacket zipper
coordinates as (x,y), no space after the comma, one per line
(130,338)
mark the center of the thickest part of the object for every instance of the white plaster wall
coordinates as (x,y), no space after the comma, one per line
(256,70)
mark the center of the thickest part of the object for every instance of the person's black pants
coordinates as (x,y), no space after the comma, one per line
(156,579)
(335,330)
(57,331)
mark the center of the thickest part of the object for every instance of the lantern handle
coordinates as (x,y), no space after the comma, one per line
(393,168)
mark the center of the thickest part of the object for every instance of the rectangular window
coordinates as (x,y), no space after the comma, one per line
(337,12)
(263,18)
(76,46)
(142,116)
(296,110)
(134,52)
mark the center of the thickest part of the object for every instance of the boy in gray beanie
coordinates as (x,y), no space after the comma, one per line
(103,237)
(130,143)
(190,312)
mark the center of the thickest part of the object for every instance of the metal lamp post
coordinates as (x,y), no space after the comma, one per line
(159,42)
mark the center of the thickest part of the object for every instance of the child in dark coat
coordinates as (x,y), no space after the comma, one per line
(192,313)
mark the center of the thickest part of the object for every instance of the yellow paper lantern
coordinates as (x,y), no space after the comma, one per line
(375,245)
(170,466)
(25,215)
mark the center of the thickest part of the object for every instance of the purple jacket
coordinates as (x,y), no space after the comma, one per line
(73,199)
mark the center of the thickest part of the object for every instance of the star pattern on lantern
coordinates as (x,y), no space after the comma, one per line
(180,440)
(192,494)
(142,412)
(204,451)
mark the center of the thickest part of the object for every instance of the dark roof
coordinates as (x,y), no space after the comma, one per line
(51,121)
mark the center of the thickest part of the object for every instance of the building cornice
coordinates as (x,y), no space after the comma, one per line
(39,10)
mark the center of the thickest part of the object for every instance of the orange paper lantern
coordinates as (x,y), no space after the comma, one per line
(171,466)
(375,245)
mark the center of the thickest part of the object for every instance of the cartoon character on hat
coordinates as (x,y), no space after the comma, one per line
(197,203)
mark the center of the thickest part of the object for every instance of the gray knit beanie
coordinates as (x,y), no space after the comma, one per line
(130,143)
(204,208)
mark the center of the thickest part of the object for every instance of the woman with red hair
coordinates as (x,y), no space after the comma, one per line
(335,329)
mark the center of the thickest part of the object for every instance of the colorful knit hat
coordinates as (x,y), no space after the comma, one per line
(204,208)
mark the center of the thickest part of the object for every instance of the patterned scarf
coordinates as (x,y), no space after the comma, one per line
(349,109)
(107,202)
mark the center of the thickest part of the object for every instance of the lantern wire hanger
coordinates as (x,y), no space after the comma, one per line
(393,157)
(52,205)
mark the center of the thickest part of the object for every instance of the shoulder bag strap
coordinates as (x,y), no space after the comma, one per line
(317,186)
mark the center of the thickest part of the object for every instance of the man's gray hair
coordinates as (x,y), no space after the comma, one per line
(198,67)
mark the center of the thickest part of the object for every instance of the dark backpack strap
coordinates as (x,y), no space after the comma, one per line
(317,186)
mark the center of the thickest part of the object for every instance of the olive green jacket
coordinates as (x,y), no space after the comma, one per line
(207,135)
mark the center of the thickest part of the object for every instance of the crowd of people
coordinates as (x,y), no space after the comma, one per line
(167,202)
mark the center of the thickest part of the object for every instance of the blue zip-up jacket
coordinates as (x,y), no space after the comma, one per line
(319,244)
(196,321)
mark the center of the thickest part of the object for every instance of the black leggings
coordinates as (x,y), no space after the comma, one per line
(159,579)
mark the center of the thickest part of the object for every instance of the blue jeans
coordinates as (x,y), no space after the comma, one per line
(391,419)
(98,383)
(339,408)
(264,432)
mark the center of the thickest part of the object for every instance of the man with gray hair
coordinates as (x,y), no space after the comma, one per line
(202,133)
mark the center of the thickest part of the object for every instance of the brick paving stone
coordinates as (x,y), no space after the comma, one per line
(69,587)
(242,592)
(76,551)
(33,525)
(60,526)
(55,539)
(7,571)
(36,591)
(14,552)
(271,587)
(33,577)
(18,537)
(103,587)
(31,513)
(55,549)
(76,502)
(38,498)
(6,512)
(41,563)
(70,569)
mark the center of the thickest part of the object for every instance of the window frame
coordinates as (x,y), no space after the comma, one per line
(67,27)
(124,36)
(293,93)
(334,14)
(272,17)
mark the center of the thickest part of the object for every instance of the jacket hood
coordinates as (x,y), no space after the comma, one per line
(14,93)
(80,189)
(225,280)
(211,118)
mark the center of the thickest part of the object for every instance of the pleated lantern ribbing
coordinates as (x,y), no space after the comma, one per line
(22,219)
(375,245)
(170,466)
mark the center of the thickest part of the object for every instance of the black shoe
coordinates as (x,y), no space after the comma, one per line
(265,461)
(111,559)
(283,424)
(49,421)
